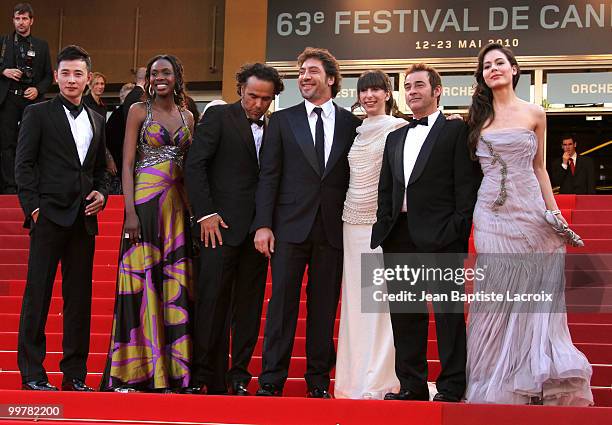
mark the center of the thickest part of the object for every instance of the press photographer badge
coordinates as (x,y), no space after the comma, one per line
(31,53)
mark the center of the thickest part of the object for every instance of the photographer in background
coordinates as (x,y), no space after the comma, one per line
(26,75)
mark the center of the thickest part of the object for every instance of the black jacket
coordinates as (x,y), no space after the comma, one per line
(41,66)
(441,193)
(48,172)
(221,171)
(582,182)
(291,189)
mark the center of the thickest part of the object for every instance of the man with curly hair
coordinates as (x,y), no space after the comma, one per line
(221,175)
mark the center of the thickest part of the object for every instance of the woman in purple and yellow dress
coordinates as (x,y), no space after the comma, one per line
(150,346)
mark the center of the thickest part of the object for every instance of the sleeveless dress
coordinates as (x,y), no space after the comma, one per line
(150,345)
(365,364)
(519,350)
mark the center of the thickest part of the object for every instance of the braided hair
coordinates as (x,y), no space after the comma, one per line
(179,84)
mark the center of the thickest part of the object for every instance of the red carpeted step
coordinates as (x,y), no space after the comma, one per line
(566,201)
(594,231)
(23,242)
(596,353)
(591,217)
(592,246)
(593,202)
(20,256)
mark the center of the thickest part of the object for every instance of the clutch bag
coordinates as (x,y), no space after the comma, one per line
(568,235)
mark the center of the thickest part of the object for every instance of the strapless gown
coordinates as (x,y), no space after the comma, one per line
(519,350)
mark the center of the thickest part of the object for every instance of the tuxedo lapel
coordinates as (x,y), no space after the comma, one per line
(242,125)
(426,149)
(96,134)
(303,136)
(398,159)
(58,116)
(339,142)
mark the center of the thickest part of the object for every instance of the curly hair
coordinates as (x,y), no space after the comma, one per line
(179,85)
(330,65)
(261,72)
(481,109)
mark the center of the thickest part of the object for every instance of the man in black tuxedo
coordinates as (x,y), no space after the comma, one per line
(302,185)
(426,197)
(221,175)
(573,173)
(26,76)
(60,179)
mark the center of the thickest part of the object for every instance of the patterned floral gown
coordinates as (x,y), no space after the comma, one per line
(150,346)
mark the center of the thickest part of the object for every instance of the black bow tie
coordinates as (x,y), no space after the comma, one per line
(414,122)
(74,110)
(259,123)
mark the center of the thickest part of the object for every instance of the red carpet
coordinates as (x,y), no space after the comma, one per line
(591,216)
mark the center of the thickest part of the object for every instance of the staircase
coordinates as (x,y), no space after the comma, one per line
(590,216)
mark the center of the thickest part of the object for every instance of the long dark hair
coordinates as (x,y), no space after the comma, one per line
(376,79)
(481,109)
(179,84)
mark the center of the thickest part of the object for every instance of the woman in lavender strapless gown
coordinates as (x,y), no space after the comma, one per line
(518,353)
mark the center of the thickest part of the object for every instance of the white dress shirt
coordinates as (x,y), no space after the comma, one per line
(412,147)
(329,122)
(574,157)
(82,132)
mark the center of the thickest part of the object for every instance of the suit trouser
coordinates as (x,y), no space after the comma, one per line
(51,243)
(11,112)
(410,329)
(230,292)
(323,291)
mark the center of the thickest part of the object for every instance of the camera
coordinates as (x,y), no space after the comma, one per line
(27,74)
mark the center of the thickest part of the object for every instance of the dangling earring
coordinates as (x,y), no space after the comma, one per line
(176,91)
(151,91)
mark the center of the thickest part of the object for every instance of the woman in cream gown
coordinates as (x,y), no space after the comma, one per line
(365,361)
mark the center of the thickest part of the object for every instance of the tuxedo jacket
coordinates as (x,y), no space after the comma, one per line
(41,66)
(441,192)
(582,182)
(48,172)
(221,170)
(291,188)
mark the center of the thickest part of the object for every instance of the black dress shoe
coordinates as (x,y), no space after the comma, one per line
(269,390)
(38,386)
(446,397)
(319,393)
(408,395)
(239,388)
(76,384)
(194,389)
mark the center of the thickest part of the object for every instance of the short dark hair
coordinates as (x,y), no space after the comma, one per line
(261,72)
(73,52)
(23,8)
(567,136)
(376,79)
(330,65)
(434,78)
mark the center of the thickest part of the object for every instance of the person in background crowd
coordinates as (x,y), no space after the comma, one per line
(94,100)
(61,188)
(364,367)
(221,174)
(302,186)
(150,346)
(26,76)
(518,353)
(115,132)
(96,89)
(138,92)
(211,104)
(573,173)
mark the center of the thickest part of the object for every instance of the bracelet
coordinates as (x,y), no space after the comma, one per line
(555,212)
